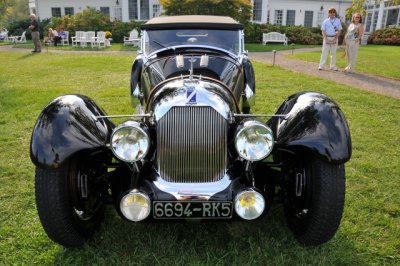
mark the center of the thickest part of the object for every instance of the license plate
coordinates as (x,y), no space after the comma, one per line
(192,210)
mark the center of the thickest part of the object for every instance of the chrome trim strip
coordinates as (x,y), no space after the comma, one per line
(259,115)
(116,116)
(200,191)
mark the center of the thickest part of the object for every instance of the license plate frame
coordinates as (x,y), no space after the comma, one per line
(192,209)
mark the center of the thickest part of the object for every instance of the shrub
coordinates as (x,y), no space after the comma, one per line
(93,20)
(388,36)
(295,34)
(17,27)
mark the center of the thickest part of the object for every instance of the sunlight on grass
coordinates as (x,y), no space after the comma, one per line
(369,232)
(380,60)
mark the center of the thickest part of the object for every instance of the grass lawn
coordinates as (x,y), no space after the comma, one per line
(369,233)
(113,47)
(380,60)
(251,47)
(256,47)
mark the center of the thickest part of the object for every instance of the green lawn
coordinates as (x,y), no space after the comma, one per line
(251,47)
(113,47)
(381,60)
(369,233)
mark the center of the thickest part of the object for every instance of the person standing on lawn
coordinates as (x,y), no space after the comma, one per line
(331,29)
(352,39)
(34,27)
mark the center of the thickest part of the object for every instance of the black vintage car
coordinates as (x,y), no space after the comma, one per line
(193,149)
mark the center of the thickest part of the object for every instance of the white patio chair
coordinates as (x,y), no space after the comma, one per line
(4,36)
(87,37)
(65,38)
(99,40)
(17,39)
(75,40)
(133,38)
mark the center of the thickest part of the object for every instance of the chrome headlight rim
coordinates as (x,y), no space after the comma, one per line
(135,125)
(247,125)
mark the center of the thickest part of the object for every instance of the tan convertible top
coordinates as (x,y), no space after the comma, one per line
(194,21)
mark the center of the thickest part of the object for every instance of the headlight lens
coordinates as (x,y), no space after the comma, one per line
(135,206)
(249,204)
(254,141)
(129,142)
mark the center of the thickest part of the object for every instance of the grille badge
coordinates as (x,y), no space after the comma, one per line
(191,95)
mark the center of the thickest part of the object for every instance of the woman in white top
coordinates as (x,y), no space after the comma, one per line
(352,39)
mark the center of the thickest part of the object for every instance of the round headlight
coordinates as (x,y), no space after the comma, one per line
(254,141)
(129,142)
(249,204)
(135,206)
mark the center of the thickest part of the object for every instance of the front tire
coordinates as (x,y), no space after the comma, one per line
(315,193)
(68,218)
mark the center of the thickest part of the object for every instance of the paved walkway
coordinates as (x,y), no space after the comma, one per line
(385,86)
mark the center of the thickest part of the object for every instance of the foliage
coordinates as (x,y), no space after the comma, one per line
(241,10)
(94,20)
(89,19)
(295,34)
(388,36)
(18,26)
(13,10)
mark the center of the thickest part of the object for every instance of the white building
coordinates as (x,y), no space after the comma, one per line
(380,16)
(124,10)
(309,13)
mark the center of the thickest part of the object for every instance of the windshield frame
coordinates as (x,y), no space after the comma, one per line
(236,50)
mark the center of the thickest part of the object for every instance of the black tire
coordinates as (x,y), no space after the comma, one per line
(67,218)
(315,211)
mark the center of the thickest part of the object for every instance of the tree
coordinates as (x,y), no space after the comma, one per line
(358,6)
(241,10)
(11,10)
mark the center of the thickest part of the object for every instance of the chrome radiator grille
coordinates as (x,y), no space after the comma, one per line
(192,145)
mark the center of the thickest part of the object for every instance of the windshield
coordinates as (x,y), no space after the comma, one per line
(224,39)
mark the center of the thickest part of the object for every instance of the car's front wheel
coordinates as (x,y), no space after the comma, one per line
(315,193)
(69,206)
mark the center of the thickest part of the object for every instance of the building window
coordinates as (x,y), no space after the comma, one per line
(144,10)
(308,18)
(257,8)
(290,17)
(375,21)
(278,17)
(132,9)
(369,23)
(105,10)
(321,18)
(156,10)
(268,16)
(56,12)
(69,11)
(118,13)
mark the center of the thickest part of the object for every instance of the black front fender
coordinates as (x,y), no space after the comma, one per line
(314,122)
(68,125)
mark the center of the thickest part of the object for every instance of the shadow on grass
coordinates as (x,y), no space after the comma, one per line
(28,55)
(264,242)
